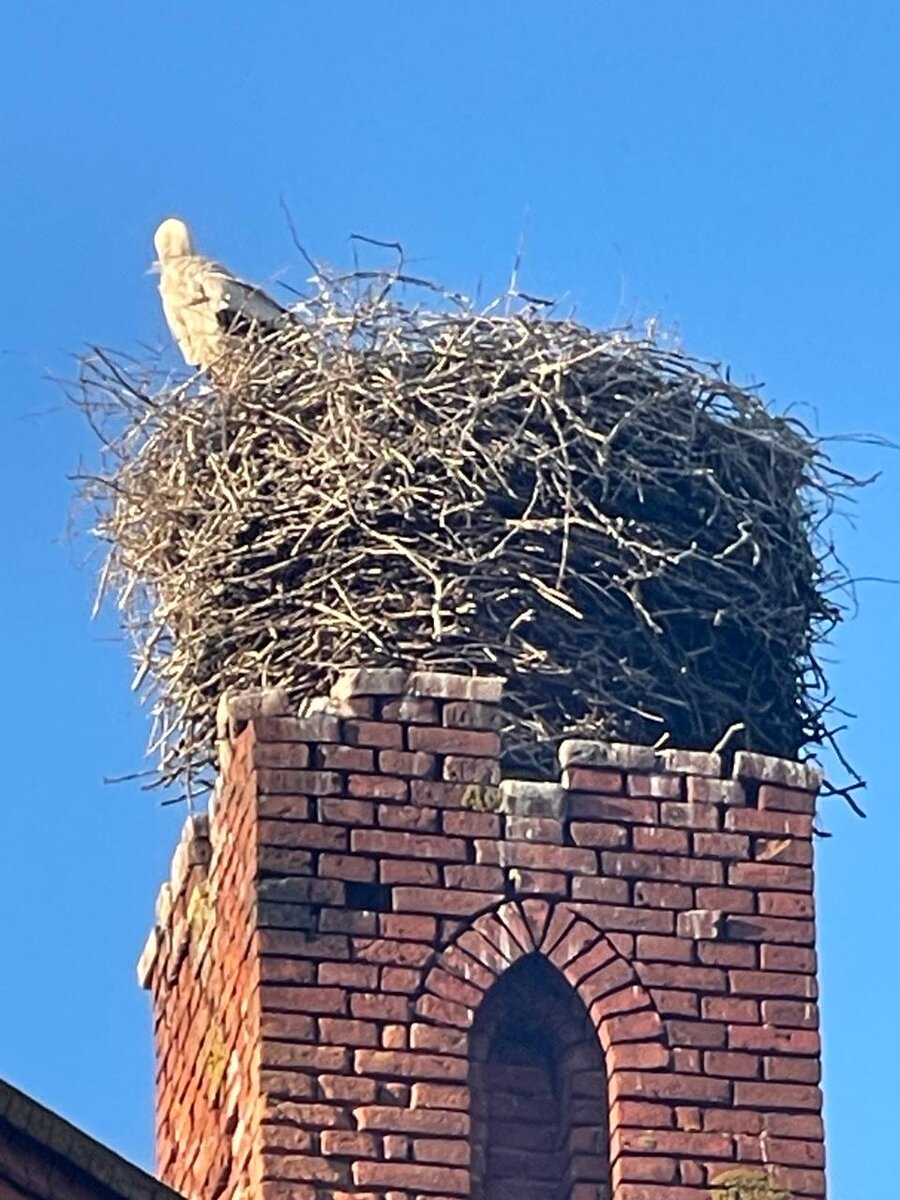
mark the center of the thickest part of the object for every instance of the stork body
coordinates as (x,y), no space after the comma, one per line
(205,305)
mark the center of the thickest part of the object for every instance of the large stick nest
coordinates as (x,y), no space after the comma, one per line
(630,538)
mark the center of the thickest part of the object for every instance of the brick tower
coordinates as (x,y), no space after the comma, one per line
(380,970)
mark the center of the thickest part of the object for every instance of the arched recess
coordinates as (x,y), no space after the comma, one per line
(538,1091)
(541,982)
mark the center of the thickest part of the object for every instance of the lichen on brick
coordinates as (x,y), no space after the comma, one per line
(746,1183)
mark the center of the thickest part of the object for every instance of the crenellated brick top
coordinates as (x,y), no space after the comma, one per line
(365,876)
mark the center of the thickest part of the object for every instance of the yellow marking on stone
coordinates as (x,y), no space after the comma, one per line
(199,909)
(216,1059)
(481,797)
(742,1183)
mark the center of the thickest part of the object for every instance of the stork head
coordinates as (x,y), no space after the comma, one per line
(172,240)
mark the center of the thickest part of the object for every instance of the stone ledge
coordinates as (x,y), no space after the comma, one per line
(320,717)
(445,685)
(193,850)
(437,685)
(621,756)
(321,720)
(163,908)
(526,798)
(236,709)
(147,960)
(369,681)
(806,777)
(625,756)
(692,762)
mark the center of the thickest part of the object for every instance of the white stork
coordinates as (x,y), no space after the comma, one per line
(202,301)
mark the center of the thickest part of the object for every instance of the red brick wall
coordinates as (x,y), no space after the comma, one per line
(329,965)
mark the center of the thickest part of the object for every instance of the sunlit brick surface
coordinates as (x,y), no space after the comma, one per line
(342,963)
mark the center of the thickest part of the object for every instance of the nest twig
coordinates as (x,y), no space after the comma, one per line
(637,543)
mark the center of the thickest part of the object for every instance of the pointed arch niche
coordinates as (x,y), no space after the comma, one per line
(538,1088)
(548,1004)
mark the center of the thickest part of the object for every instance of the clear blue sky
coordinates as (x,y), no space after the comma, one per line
(732,168)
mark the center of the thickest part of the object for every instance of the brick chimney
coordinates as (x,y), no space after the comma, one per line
(379,970)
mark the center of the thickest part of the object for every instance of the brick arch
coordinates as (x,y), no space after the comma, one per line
(621,1009)
(538,1091)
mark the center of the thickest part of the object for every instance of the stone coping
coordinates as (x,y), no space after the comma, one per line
(319,720)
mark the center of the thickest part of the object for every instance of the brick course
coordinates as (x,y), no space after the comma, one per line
(328,945)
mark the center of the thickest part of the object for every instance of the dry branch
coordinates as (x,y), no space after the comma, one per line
(633,540)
